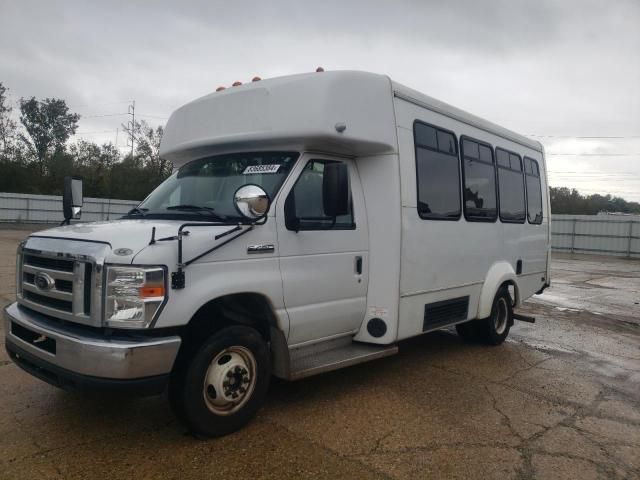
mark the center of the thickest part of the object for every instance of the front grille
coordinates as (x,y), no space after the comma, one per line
(56,303)
(51,263)
(59,287)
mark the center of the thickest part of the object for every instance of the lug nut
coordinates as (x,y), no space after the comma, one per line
(229,374)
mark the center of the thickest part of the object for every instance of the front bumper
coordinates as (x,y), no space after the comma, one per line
(80,359)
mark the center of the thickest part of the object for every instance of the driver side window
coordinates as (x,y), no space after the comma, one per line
(304,207)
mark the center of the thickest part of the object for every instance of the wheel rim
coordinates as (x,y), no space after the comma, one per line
(230,380)
(501,317)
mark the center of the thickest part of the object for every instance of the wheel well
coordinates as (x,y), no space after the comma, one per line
(250,309)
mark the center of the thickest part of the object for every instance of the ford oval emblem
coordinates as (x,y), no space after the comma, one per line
(42,281)
(123,252)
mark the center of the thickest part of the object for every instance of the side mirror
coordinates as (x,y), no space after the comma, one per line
(335,189)
(72,198)
(251,201)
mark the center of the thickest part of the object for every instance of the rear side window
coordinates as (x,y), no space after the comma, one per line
(534,191)
(510,187)
(478,170)
(438,173)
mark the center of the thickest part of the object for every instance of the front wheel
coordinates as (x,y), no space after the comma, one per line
(221,388)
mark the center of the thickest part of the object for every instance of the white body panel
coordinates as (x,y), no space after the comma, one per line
(323,293)
(309,279)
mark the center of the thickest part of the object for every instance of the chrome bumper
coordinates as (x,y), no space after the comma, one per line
(86,355)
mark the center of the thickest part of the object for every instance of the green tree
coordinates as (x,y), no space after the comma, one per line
(49,125)
(148,150)
(8,126)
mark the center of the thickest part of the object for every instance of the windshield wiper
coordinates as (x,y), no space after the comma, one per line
(137,211)
(197,208)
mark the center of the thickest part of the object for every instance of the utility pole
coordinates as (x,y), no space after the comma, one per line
(131,126)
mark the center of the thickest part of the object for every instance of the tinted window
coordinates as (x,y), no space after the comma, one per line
(304,207)
(438,174)
(479,182)
(534,191)
(425,136)
(446,142)
(503,158)
(511,187)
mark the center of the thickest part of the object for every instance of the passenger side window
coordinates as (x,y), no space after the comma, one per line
(479,175)
(510,187)
(534,191)
(304,207)
(438,173)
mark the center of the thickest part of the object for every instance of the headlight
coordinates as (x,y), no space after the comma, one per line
(133,296)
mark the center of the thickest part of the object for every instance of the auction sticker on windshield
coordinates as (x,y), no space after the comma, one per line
(261,169)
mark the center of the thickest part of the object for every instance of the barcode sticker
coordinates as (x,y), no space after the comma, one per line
(261,169)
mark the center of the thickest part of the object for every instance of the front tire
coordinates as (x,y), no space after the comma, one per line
(223,385)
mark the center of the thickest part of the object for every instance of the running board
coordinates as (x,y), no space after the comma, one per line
(523,318)
(332,355)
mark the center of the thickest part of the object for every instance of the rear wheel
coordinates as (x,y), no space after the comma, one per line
(495,328)
(221,388)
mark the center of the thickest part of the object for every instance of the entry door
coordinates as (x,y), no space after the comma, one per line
(324,264)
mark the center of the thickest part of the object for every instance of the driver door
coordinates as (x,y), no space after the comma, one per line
(324,263)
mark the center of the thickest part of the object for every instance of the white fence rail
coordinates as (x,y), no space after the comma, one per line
(26,208)
(596,234)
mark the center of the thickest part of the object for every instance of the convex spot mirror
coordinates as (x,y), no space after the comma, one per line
(72,198)
(251,201)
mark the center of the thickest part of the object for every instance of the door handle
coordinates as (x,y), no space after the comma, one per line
(359,265)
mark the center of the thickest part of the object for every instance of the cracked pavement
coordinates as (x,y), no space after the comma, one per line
(560,399)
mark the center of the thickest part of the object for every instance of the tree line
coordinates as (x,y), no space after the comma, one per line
(36,154)
(570,201)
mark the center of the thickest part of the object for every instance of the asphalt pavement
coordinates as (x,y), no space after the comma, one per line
(560,399)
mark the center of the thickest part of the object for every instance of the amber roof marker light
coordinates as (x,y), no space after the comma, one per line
(319,70)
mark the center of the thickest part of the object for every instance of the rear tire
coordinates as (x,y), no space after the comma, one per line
(495,328)
(223,385)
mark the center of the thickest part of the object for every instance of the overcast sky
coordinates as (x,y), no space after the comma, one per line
(557,70)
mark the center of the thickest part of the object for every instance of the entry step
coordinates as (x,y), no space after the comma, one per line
(328,356)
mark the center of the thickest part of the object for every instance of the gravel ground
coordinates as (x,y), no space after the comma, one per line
(560,399)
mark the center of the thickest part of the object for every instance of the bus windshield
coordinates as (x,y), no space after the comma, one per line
(207,186)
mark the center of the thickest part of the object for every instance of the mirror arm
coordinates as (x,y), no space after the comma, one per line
(178,277)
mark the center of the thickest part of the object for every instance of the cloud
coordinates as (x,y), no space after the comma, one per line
(543,68)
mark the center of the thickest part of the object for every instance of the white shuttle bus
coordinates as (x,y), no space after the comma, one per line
(312,222)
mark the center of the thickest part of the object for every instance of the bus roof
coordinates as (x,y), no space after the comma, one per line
(304,111)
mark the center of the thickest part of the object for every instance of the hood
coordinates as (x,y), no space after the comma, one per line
(132,234)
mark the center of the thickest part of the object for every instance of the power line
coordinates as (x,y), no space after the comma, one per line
(104,115)
(555,154)
(584,137)
(153,116)
(99,104)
